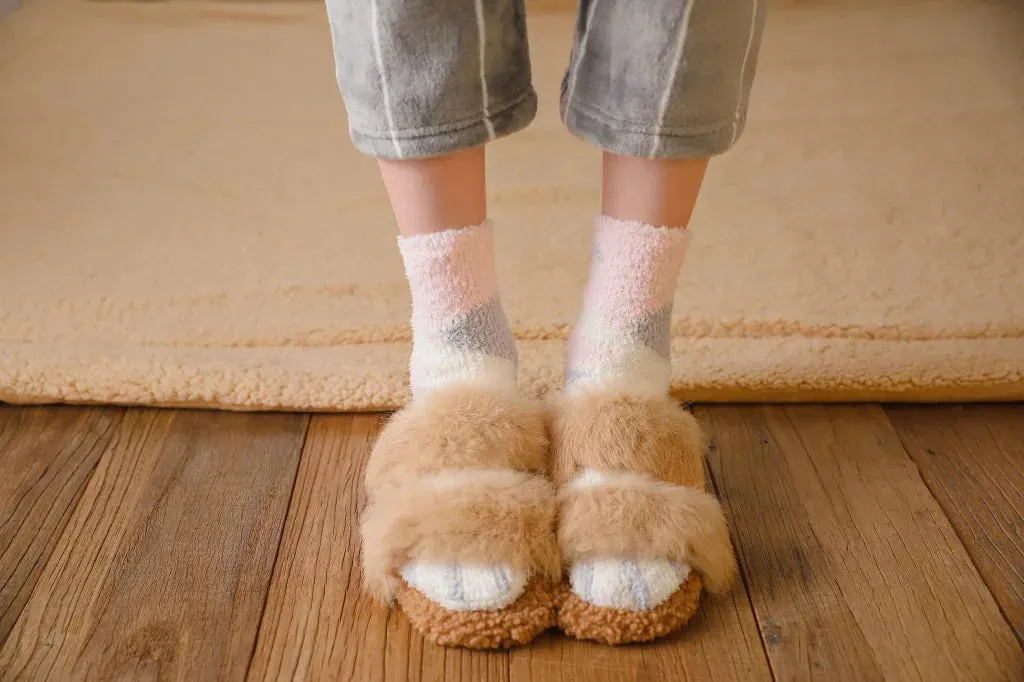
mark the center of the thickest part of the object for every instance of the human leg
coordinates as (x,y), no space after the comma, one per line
(660,88)
(459,522)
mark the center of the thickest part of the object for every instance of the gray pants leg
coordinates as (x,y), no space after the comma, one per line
(652,78)
(424,78)
(662,78)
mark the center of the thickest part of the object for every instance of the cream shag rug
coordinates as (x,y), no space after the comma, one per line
(183,221)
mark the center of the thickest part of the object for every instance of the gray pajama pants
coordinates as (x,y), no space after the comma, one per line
(649,78)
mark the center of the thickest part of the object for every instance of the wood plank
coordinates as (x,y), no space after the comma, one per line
(163,568)
(853,569)
(46,457)
(972,459)
(318,623)
(409,658)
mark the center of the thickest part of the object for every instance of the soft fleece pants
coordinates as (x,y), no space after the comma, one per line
(648,78)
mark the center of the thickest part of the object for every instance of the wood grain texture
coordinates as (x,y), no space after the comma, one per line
(46,457)
(720,643)
(409,658)
(318,623)
(165,567)
(162,571)
(854,571)
(972,459)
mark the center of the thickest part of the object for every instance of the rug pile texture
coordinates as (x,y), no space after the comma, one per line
(184,222)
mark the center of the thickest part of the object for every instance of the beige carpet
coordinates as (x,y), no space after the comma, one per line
(183,222)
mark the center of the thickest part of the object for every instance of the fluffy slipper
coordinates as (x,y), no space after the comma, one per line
(636,528)
(459,502)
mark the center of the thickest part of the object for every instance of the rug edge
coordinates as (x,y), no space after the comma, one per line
(365,379)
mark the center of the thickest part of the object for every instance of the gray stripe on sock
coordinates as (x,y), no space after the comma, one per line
(483,330)
(503,579)
(637,585)
(653,330)
(585,585)
(454,576)
(573,375)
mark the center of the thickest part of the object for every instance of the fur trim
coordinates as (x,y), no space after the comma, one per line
(467,515)
(460,427)
(622,432)
(635,516)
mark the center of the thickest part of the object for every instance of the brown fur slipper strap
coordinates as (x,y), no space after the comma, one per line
(635,516)
(460,427)
(467,515)
(609,431)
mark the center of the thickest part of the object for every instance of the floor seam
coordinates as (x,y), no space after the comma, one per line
(277,547)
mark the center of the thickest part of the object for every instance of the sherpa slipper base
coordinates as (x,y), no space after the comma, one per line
(514,625)
(619,626)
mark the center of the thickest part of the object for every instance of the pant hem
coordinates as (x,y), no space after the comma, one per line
(619,137)
(420,143)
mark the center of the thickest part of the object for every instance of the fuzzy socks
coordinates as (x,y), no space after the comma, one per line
(621,344)
(459,330)
(621,340)
(460,335)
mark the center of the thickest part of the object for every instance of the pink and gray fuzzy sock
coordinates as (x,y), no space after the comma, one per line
(621,340)
(459,329)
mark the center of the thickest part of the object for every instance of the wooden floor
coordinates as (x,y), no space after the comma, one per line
(141,544)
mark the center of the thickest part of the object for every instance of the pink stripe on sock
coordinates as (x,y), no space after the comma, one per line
(452,272)
(634,270)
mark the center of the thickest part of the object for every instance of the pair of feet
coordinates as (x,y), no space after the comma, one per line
(493,517)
